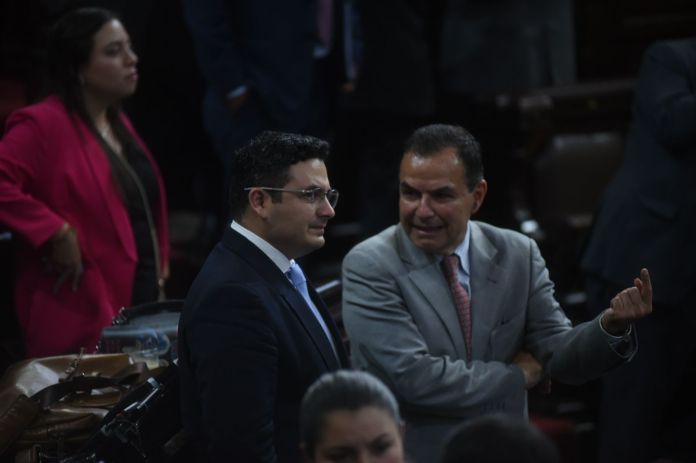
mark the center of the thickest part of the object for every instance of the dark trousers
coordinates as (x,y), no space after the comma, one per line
(648,405)
(229,132)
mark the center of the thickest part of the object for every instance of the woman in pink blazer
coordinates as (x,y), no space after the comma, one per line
(82,193)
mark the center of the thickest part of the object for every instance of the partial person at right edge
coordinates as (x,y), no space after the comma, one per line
(648,215)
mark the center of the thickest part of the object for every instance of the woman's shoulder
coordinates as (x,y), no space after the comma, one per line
(48,112)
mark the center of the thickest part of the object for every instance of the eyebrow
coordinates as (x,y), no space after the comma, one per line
(314,186)
(442,189)
(114,42)
(384,435)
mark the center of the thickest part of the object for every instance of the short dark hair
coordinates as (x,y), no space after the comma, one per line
(70,44)
(266,161)
(431,139)
(342,390)
(499,438)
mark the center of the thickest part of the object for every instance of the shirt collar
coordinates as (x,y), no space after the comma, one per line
(462,251)
(278,258)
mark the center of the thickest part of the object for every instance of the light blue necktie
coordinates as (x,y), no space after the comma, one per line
(299,281)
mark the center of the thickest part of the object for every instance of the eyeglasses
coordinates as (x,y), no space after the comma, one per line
(311,195)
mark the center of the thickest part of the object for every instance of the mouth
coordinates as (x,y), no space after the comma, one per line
(427,230)
(133,76)
(318,229)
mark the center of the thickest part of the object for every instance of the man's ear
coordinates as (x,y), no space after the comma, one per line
(480,191)
(258,202)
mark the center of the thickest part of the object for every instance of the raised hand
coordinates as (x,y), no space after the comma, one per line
(629,305)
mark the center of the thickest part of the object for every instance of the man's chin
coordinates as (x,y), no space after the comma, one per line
(427,242)
(310,245)
(315,243)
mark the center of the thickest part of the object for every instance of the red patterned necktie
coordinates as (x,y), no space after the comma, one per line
(450,267)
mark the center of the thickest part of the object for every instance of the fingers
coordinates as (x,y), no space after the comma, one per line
(77,275)
(544,386)
(74,273)
(647,290)
(61,279)
(638,283)
(66,260)
(618,307)
(630,304)
(621,304)
(633,298)
(531,369)
(524,356)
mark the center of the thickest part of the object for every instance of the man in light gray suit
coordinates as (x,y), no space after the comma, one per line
(473,345)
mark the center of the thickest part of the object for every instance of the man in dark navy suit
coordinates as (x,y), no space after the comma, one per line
(253,336)
(268,65)
(647,216)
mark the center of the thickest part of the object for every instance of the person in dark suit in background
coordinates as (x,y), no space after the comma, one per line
(395,90)
(268,65)
(252,341)
(491,51)
(505,46)
(647,216)
(446,60)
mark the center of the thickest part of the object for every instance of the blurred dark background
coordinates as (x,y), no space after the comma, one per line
(549,150)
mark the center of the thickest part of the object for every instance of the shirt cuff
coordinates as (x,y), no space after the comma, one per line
(241,90)
(623,344)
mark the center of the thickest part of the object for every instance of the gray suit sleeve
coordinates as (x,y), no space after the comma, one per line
(386,340)
(571,356)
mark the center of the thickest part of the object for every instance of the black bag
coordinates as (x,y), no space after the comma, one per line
(143,427)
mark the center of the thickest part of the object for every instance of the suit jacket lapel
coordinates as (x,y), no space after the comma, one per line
(426,275)
(305,316)
(276,279)
(486,290)
(333,329)
(95,155)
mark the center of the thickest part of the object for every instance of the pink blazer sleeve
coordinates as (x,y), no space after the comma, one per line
(22,156)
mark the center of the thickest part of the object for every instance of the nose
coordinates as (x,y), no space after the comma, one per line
(325,209)
(366,456)
(424,209)
(131,57)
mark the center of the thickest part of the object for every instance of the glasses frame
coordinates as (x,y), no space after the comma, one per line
(310,195)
